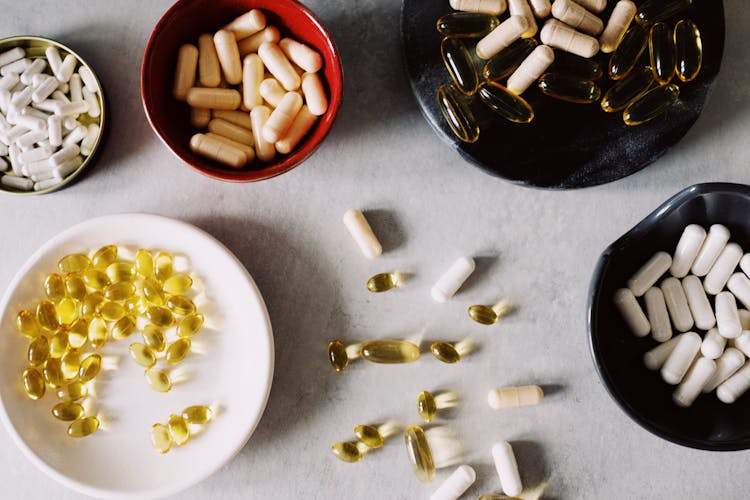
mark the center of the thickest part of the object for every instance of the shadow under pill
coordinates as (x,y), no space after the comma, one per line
(484,265)
(552,389)
(531,463)
(385,224)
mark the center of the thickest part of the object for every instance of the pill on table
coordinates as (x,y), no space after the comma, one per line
(677,305)
(522,8)
(264,150)
(655,358)
(184,75)
(303,122)
(727,316)
(618,23)
(723,268)
(361,232)
(252,76)
(735,386)
(315,95)
(561,36)
(577,17)
(253,42)
(507,468)
(282,117)
(743,342)
(695,379)
(631,312)
(231,131)
(279,66)
(209,70)
(698,302)
(218,151)
(247,24)
(658,316)
(687,250)
(530,69)
(513,397)
(493,7)
(729,362)
(453,278)
(301,55)
(681,358)
(649,273)
(713,245)
(501,37)
(456,484)
(713,344)
(213,98)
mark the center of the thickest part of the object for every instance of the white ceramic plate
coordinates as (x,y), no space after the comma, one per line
(233,370)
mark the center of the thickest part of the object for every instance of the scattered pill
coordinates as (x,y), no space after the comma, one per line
(454,277)
(456,484)
(361,232)
(513,397)
(507,468)
(389,351)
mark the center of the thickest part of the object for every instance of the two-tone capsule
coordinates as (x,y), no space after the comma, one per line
(651,104)
(466,24)
(460,65)
(457,113)
(569,88)
(505,103)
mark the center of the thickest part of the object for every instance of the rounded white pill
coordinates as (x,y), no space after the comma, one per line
(456,484)
(723,268)
(743,342)
(681,358)
(695,379)
(272,91)
(735,386)
(522,8)
(677,305)
(531,69)
(649,273)
(698,302)
(361,232)
(36,67)
(453,278)
(715,241)
(507,468)
(501,37)
(493,7)
(726,366)
(713,344)
(11,55)
(618,23)
(727,316)
(687,250)
(655,358)
(67,68)
(561,36)
(20,183)
(739,285)
(631,312)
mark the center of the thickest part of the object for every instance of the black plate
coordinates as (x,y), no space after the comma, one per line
(708,424)
(567,145)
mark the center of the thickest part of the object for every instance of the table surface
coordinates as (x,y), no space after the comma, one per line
(537,248)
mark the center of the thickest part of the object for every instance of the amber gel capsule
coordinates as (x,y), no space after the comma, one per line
(383,282)
(460,66)
(429,404)
(457,113)
(419,453)
(688,50)
(349,451)
(339,355)
(662,52)
(389,351)
(505,103)
(505,62)
(83,427)
(466,24)
(623,59)
(569,88)
(374,435)
(489,315)
(627,90)
(651,104)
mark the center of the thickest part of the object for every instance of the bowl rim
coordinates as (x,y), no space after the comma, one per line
(274,169)
(592,312)
(102,117)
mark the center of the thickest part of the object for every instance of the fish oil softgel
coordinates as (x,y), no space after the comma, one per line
(430,449)
(428,404)
(225,73)
(177,431)
(368,437)
(489,315)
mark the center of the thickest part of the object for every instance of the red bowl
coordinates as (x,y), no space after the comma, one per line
(183,23)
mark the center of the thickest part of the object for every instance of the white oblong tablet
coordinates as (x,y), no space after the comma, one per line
(739,285)
(681,358)
(713,344)
(695,379)
(631,312)
(700,307)
(726,366)
(727,316)
(658,316)
(735,386)
(723,268)
(507,468)
(714,243)
(451,281)
(677,305)
(649,273)
(687,250)
(456,484)
(655,358)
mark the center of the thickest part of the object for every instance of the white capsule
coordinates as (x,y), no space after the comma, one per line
(649,273)
(46,184)
(655,358)
(35,154)
(272,91)
(251,44)
(303,122)
(677,305)
(695,379)
(531,69)
(54,130)
(631,312)
(30,122)
(541,8)
(577,17)
(28,139)
(361,232)
(456,484)
(89,81)
(66,153)
(713,344)
(39,168)
(687,250)
(739,285)
(745,264)
(16,67)
(723,268)
(279,66)
(75,136)
(522,8)
(658,317)
(247,24)
(76,88)
(507,468)
(15,163)
(681,358)
(729,362)
(698,302)
(93,103)
(70,123)
(15,133)
(36,67)
(743,342)
(513,397)
(88,142)
(70,108)
(7,82)
(453,278)
(715,241)
(727,316)
(618,23)
(53,58)
(66,69)
(20,183)
(22,99)
(252,76)
(315,95)
(493,7)
(501,37)
(561,36)
(12,55)
(264,150)
(29,111)
(67,168)
(58,95)
(735,386)
(282,117)
(595,6)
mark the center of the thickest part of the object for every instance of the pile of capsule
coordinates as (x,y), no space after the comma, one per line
(246,112)
(49,117)
(695,364)
(93,301)
(177,429)
(568,72)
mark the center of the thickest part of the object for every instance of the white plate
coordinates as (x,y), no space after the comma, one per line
(234,371)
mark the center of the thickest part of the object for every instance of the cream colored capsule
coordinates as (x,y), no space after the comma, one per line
(272,91)
(494,7)
(695,379)
(501,37)
(680,359)
(231,131)
(184,74)
(241,118)
(361,232)
(282,117)
(727,316)
(649,273)
(713,344)
(531,69)
(245,148)
(631,312)
(698,302)
(595,6)
(252,75)
(315,95)
(522,8)
(279,66)
(229,56)
(735,386)
(723,268)
(541,8)
(213,98)
(247,24)
(512,397)
(726,365)
(617,25)
(253,43)
(303,122)
(199,117)
(715,241)
(301,55)
(687,250)
(561,36)
(218,150)
(739,285)
(677,304)
(209,70)
(264,150)
(577,17)
(658,317)
(655,358)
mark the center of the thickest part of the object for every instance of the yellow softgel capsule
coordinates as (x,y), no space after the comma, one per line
(73,391)
(91,303)
(135,305)
(142,354)
(105,256)
(154,337)
(67,311)
(83,427)
(27,324)
(121,271)
(58,344)
(33,383)
(54,287)
(197,414)
(90,367)
(119,291)
(369,435)
(111,311)
(389,351)
(96,279)
(123,327)
(489,315)
(46,315)
(178,350)
(158,380)
(71,363)
(160,316)
(52,371)
(349,451)
(419,453)
(67,411)
(38,351)
(426,406)
(190,325)
(382,282)
(178,284)
(178,429)
(160,438)
(179,304)
(445,352)
(144,263)
(163,265)
(78,333)
(337,355)
(73,263)
(153,292)
(75,286)
(98,333)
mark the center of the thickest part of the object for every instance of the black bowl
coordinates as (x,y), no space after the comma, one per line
(708,424)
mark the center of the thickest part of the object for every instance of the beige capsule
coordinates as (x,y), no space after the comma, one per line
(209,71)
(231,131)
(272,91)
(214,98)
(522,8)
(241,118)
(530,69)
(184,74)
(253,42)
(245,148)
(501,37)
(229,56)
(279,66)
(512,397)
(303,122)
(264,150)
(247,24)
(618,23)
(252,76)
(199,117)
(217,150)
(493,7)
(577,17)
(282,117)
(541,8)
(561,36)
(595,6)
(301,55)
(315,95)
